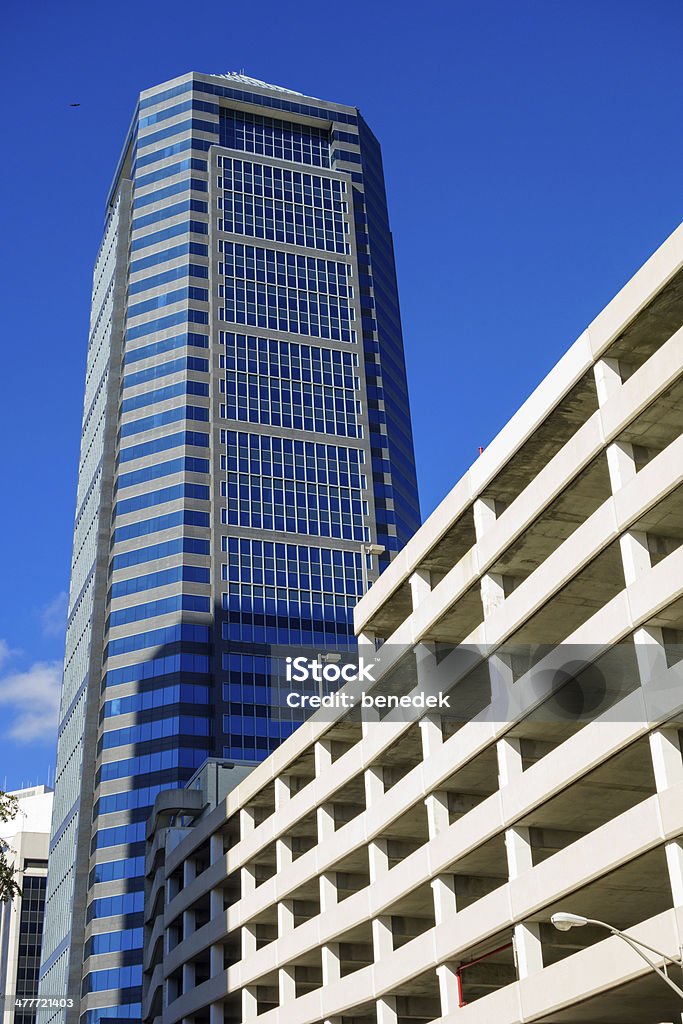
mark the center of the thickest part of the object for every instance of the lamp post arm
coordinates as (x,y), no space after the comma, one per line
(635,946)
(615,931)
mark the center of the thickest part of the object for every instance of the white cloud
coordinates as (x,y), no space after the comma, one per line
(30,700)
(6,652)
(53,615)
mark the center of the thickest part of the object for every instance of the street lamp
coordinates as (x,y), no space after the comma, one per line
(331,658)
(369,549)
(563,922)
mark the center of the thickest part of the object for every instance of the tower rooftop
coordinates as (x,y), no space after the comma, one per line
(239,76)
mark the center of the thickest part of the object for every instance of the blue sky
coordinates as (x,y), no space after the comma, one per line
(533,158)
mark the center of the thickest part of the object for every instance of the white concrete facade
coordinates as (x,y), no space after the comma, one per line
(403,872)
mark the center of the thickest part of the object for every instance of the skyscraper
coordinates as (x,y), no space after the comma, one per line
(246,432)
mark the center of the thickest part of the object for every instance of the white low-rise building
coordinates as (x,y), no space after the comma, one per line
(21,919)
(384,868)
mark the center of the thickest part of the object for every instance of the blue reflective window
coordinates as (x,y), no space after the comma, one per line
(181,693)
(190,164)
(190,632)
(166,255)
(114,942)
(187,206)
(186,517)
(161,419)
(178,574)
(176,189)
(282,205)
(162,444)
(166,345)
(192,316)
(192,545)
(127,1010)
(176,274)
(151,609)
(195,124)
(119,835)
(164,369)
(277,483)
(160,497)
(201,145)
(148,764)
(111,870)
(183,387)
(131,799)
(290,385)
(112,906)
(196,226)
(117,977)
(285,291)
(286,140)
(163,115)
(167,94)
(163,727)
(167,299)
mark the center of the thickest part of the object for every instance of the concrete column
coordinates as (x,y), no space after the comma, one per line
(483,510)
(188,923)
(431,735)
(621,464)
(189,872)
(382,938)
(283,846)
(216,959)
(216,854)
(491,585)
(331,963)
(607,379)
(249,1004)
(286,985)
(283,791)
(328,880)
(386,1010)
(366,638)
(667,763)
(449,991)
(248,940)
(492,589)
(188,977)
(216,1013)
(527,937)
(373,778)
(248,885)
(438,820)
(650,653)
(369,719)
(216,908)
(420,586)
(378,859)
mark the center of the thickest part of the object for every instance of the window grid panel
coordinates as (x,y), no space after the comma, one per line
(290,385)
(285,291)
(276,483)
(282,205)
(254,133)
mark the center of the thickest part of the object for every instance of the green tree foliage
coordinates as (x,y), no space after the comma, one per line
(9,808)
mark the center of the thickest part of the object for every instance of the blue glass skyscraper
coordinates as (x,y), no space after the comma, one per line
(246,432)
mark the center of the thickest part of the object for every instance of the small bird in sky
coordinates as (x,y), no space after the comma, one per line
(74,104)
